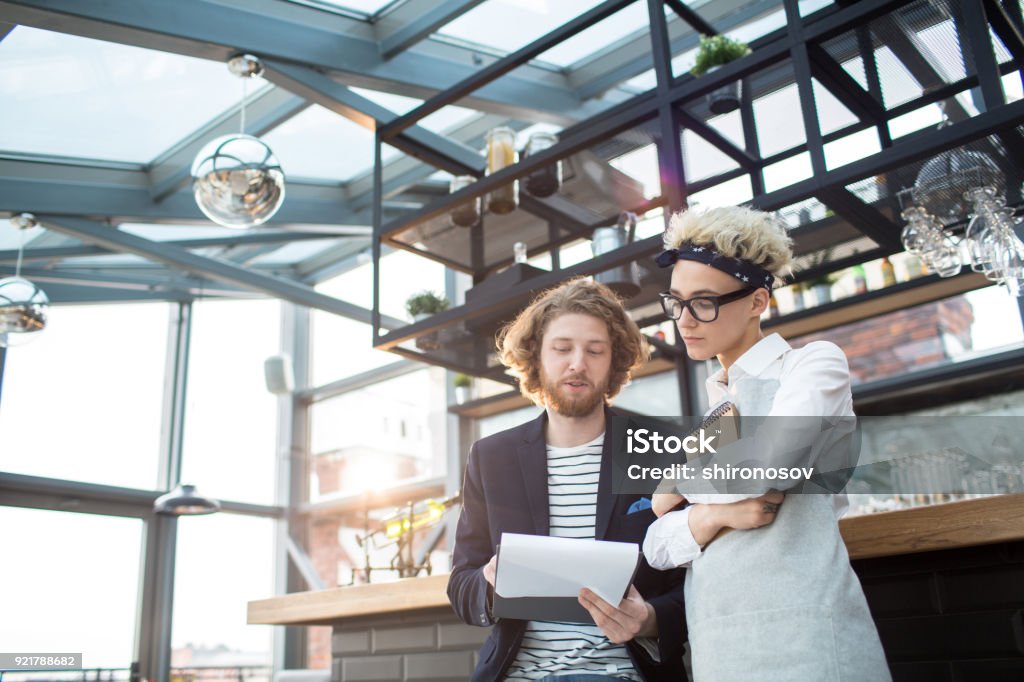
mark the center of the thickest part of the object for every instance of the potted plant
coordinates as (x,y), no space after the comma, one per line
(463,383)
(421,306)
(424,304)
(822,284)
(713,53)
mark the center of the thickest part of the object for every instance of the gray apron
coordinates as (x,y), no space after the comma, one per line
(782,603)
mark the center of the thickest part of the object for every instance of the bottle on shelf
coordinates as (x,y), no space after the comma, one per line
(501,153)
(860,280)
(467,214)
(519,252)
(912,266)
(888,273)
(798,296)
(545,181)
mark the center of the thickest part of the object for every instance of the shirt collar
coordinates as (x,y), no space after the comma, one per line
(757,358)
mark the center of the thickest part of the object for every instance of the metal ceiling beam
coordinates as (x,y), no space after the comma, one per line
(341,46)
(74,294)
(123,195)
(491,75)
(1006,29)
(632,58)
(254,237)
(841,84)
(973,34)
(699,23)
(416,20)
(904,152)
(404,171)
(868,220)
(918,59)
(159,282)
(716,139)
(103,235)
(416,141)
(398,174)
(263,112)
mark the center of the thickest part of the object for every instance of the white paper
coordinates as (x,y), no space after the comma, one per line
(543,566)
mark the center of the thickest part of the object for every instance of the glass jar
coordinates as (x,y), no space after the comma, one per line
(467,214)
(519,252)
(501,153)
(545,181)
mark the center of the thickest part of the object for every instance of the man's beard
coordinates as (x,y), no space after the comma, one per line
(571,406)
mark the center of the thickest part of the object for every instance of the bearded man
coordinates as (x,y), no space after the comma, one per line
(573,348)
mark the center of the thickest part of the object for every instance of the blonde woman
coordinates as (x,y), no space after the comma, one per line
(778,602)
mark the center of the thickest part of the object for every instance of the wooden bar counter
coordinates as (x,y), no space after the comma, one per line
(945,584)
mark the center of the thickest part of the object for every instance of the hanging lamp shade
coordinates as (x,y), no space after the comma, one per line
(23,309)
(185,501)
(238,181)
(23,305)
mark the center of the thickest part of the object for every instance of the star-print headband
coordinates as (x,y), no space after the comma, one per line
(743,270)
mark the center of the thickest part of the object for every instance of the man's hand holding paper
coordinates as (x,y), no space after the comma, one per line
(541,578)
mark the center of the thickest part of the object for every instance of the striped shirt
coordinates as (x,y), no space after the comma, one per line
(550,647)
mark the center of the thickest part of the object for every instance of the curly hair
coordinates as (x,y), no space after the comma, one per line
(519,342)
(735,231)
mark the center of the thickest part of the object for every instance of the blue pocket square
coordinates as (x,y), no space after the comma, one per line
(639,505)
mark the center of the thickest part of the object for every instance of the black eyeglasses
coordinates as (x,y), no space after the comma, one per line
(703,308)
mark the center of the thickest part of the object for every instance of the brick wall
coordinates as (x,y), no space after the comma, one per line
(325,553)
(898,342)
(430,645)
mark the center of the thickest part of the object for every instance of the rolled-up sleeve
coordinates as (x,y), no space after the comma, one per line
(669,543)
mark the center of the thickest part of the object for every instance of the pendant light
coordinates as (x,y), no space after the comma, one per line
(23,305)
(236,179)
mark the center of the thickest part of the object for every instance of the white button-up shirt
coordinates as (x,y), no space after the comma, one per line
(772,379)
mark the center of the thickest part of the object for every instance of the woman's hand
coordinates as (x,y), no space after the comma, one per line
(707,519)
(663,503)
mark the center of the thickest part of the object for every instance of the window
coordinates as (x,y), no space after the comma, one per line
(230,417)
(223,562)
(654,395)
(378,436)
(83,400)
(70,583)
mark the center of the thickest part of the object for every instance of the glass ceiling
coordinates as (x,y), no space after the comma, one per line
(130,103)
(507,25)
(368,7)
(75,97)
(319,144)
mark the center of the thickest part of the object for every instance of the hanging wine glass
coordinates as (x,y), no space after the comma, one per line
(945,259)
(1012,263)
(979,232)
(915,234)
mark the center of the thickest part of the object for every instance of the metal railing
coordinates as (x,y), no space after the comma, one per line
(200,673)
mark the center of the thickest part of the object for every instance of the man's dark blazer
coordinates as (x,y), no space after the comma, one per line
(506,491)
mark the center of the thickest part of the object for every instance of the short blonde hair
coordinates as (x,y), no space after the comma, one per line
(737,232)
(519,342)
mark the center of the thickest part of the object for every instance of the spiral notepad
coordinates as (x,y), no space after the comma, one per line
(724,420)
(715,421)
